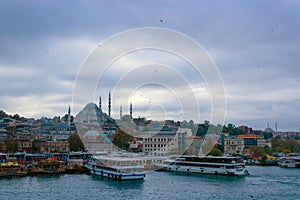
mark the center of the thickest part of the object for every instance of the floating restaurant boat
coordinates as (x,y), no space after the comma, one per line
(75,166)
(221,165)
(49,166)
(12,169)
(117,167)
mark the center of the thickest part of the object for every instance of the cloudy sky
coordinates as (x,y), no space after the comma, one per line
(255,46)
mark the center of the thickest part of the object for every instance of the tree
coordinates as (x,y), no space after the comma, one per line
(11,145)
(16,117)
(75,143)
(215,152)
(268,135)
(191,124)
(183,124)
(2,114)
(121,139)
(286,151)
(202,129)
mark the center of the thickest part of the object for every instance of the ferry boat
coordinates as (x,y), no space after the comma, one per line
(217,165)
(12,169)
(289,162)
(116,167)
(49,166)
(75,166)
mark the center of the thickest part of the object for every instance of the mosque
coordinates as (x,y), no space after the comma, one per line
(96,127)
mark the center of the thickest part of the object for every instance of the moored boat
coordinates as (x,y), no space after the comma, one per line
(49,166)
(12,169)
(75,166)
(117,167)
(289,162)
(217,165)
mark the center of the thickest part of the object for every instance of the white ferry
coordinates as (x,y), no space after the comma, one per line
(117,167)
(289,162)
(221,165)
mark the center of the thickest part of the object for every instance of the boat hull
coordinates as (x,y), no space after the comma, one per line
(212,171)
(116,175)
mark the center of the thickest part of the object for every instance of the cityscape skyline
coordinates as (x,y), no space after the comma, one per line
(254,45)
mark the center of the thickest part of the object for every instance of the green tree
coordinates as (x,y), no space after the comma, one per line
(16,117)
(11,145)
(121,139)
(2,114)
(191,124)
(215,152)
(75,143)
(202,129)
(232,130)
(268,135)
(184,124)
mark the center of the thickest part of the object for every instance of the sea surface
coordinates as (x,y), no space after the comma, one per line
(263,183)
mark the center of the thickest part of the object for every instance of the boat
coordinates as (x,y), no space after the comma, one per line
(12,169)
(217,165)
(116,167)
(75,166)
(289,162)
(297,161)
(48,166)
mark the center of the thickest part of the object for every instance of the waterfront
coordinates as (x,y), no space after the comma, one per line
(263,183)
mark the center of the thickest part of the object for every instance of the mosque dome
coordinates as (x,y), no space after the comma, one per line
(269,130)
(91,134)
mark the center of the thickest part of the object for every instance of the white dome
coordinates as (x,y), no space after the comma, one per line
(91,133)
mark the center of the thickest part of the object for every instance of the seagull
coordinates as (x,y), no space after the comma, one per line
(250,195)
(161,21)
(99,45)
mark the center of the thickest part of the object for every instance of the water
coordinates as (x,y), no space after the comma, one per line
(263,183)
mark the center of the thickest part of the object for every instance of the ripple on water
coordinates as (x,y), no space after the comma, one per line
(263,183)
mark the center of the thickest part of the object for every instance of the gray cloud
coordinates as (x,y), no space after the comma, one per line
(255,45)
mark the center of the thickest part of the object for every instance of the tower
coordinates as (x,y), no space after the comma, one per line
(100,102)
(69,111)
(130,112)
(69,116)
(120,111)
(109,103)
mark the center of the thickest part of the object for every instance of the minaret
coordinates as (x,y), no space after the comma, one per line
(69,116)
(109,104)
(121,112)
(69,111)
(100,102)
(130,112)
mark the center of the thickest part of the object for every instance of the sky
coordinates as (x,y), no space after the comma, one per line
(254,46)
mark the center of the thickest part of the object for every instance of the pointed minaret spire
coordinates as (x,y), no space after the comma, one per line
(69,111)
(130,112)
(69,116)
(120,111)
(100,102)
(109,103)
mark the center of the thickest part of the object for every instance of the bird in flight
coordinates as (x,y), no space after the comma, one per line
(161,21)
